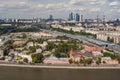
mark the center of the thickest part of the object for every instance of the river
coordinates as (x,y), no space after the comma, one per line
(20,73)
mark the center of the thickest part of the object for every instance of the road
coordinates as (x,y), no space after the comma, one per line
(59,67)
(6,39)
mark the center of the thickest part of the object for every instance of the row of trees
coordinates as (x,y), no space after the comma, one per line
(73,32)
(86,61)
(39,40)
(62,50)
(37,58)
(27,30)
(108,54)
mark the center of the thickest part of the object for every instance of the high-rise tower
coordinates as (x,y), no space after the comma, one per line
(81,18)
(77,17)
(51,17)
(71,16)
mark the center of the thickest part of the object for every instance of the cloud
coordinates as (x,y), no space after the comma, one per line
(119,10)
(78,2)
(82,9)
(87,2)
(115,3)
(98,2)
(60,8)
(95,9)
(14,5)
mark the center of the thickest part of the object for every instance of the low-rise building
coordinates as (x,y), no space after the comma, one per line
(1,52)
(108,60)
(92,47)
(36,35)
(26,56)
(105,59)
(54,40)
(54,60)
(113,62)
(19,42)
(47,35)
(97,53)
(76,56)
(30,44)
(6,25)
(38,50)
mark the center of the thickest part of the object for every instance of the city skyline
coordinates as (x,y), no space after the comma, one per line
(59,8)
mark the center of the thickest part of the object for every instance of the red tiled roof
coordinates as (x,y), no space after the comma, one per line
(71,52)
(76,54)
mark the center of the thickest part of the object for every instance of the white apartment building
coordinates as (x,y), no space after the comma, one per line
(92,31)
(102,36)
(112,35)
(75,28)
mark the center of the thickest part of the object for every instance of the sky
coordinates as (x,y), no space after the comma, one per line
(59,8)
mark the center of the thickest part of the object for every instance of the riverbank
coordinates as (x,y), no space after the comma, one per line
(60,66)
(21,73)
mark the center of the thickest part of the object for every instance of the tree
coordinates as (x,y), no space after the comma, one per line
(24,35)
(57,54)
(108,54)
(70,61)
(32,49)
(99,59)
(63,47)
(118,58)
(104,62)
(64,55)
(37,58)
(19,58)
(40,40)
(88,60)
(97,62)
(50,46)
(71,31)
(101,51)
(9,42)
(81,61)
(5,52)
(25,60)
(110,39)
(95,35)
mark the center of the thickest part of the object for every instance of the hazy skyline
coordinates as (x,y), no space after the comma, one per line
(59,8)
